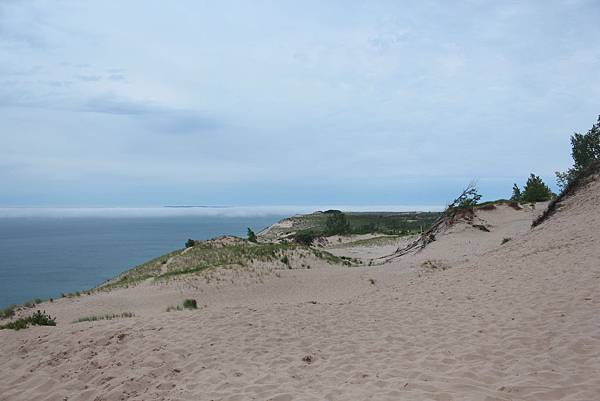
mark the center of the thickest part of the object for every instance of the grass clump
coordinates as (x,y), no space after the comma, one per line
(190,304)
(187,304)
(37,319)
(108,316)
(8,312)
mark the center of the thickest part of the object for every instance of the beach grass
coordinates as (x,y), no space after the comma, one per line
(206,255)
(109,316)
(37,319)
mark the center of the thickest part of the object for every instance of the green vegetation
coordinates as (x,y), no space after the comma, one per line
(187,304)
(578,181)
(37,319)
(336,224)
(305,237)
(308,227)
(7,312)
(108,316)
(190,304)
(468,199)
(375,241)
(251,236)
(535,191)
(213,254)
(190,243)
(464,204)
(585,149)
(516,193)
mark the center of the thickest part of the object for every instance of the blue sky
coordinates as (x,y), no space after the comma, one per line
(141,103)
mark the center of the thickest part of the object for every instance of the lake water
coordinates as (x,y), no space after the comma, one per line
(45,254)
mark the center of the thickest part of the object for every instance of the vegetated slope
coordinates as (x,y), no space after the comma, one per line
(224,252)
(359,222)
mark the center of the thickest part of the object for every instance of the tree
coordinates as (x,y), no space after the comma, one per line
(516,195)
(467,199)
(535,190)
(251,236)
(337,224)
(585,148)
(190,243)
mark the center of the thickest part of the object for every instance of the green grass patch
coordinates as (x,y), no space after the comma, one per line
(37,319)
(109,316)
(8,312)
(211,254)
(375,241)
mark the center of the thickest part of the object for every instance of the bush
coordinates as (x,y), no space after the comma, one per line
(585,149)
(467,200)
(37,319)
(535,190)
(516,194)
(190,243)
(304,237)
(7,312)
(190,304)
(251,236)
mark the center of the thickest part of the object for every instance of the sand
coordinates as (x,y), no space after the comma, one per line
(518,321)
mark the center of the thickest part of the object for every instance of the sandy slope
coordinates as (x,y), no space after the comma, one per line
(513,322)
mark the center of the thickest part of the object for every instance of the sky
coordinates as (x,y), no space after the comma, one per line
(149,103)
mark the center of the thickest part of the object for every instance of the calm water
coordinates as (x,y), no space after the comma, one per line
(42,257)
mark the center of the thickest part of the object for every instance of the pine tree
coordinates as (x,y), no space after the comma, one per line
(251,236)
(585,148)
(516,195)
(535,190)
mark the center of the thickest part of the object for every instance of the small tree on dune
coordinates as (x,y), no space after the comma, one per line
(251,236)
(585,148)
(535,190)
(516,195)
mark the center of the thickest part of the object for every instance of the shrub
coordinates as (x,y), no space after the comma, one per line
(516,194)
(285,260)
(505,240)
(468,199)
(37,319)
(190,243)
(190,304)
(585,149)
(304,237)
(535,190)
(578,181)
(7,312)
(251,236)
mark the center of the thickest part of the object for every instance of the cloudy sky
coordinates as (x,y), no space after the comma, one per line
(139,103)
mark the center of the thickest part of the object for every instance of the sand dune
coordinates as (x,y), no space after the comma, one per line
(517,321)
